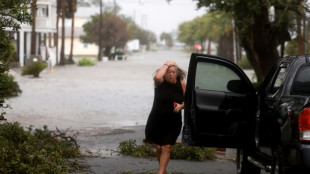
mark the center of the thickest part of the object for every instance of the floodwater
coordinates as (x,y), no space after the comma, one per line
(110,94)
(107,103)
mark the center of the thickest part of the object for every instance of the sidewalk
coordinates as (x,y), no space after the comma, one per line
(103,145)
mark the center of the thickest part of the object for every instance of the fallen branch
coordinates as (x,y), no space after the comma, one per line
(64,136)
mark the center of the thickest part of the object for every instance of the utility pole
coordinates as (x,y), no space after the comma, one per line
(100,34)
(114,8)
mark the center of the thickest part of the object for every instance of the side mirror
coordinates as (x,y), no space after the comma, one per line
(237,86)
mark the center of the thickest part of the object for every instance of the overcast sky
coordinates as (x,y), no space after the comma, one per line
(157,15)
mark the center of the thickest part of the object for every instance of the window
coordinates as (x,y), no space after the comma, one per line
(301,83)
(42,10)
(210,76)
(84,45)
(279,78)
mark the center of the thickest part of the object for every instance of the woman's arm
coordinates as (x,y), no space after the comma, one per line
(181,106)
(183,87)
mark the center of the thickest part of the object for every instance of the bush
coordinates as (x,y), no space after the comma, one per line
(132,149)
(9,87)
(35,151)
(177,152)
(192,153)
(86,62)
(34,69)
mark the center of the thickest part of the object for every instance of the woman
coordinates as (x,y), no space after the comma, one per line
(164,123)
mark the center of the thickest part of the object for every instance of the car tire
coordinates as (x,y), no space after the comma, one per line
(277,163)
(243,165)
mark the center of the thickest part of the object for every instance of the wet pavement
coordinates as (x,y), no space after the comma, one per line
(106,103)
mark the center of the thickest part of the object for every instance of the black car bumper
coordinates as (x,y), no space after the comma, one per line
(305,155)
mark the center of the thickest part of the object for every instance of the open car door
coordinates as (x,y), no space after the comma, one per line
(220,104)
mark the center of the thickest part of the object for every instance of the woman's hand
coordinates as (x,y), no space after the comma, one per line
(178,107)
(170,63)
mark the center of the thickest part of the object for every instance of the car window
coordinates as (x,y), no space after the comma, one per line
(211,76)
(278,80)
(301,83)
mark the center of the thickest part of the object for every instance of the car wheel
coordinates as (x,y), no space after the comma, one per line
(276,165)
(243,165)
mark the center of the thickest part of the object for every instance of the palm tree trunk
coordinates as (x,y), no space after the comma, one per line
(73,4)
(33,31)
(62,51)
(57,28)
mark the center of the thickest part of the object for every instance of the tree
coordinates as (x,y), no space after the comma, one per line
(114,32)
(144,36)
(33,30)
(167,38)
(221,30)
(261,26)
(72,7)
(186,33)
(209,27)
(12,14)
(62,49)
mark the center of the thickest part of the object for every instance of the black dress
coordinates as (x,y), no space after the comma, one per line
(163,125)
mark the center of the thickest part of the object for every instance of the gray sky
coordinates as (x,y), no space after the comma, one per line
(157,15)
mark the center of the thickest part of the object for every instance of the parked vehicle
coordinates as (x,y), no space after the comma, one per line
(269,127)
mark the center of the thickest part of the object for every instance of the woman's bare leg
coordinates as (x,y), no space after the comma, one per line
(158,152)
(164,158)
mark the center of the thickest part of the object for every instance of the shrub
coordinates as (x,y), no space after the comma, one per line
(192,153)
(9,87)
(177,152)
(86,62)
(132,149)
(35,151)
(34,69)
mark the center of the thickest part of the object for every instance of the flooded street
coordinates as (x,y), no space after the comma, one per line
(110,94)
(107,103)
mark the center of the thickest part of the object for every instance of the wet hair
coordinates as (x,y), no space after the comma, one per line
(181,74)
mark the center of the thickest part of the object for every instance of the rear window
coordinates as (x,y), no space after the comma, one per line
(301,84)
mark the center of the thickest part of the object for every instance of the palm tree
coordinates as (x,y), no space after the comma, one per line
(62,50)
(57,27)
(73,10)
(33,31)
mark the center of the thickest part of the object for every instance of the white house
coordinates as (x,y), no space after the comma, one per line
(82,15)
(45,31)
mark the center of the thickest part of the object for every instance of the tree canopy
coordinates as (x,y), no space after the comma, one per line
(167,37)
(209,27)
(145,37)
(114,32)
(12,14)
(261,26)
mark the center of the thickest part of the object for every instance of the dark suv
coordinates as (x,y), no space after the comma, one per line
(270,128)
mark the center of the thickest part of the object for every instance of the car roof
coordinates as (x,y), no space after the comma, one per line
(306,58)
